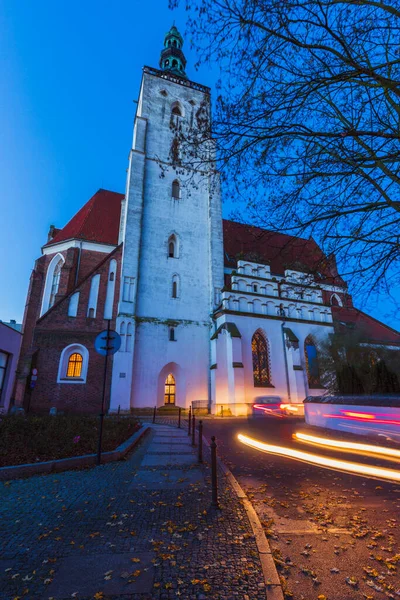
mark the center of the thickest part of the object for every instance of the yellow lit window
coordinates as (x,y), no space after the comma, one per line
(74,368)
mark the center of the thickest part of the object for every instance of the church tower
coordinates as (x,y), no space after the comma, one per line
(171,229)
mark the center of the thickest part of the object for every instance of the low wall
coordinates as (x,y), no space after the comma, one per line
(355,418)
(74,462)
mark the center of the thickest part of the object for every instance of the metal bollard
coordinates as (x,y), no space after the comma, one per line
(190,420)
(193,430)
(214,480)
(200,454)
(179,417)
(154,414)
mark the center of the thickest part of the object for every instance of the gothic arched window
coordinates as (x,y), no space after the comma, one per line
(312,363)
(55,283)
(259,350)
(176,189)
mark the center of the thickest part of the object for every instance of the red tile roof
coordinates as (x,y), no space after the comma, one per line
(280,251)
(97,221)
(371,329)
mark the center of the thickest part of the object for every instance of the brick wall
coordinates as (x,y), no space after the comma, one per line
(46,337)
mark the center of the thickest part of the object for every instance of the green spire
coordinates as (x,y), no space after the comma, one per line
(172,58)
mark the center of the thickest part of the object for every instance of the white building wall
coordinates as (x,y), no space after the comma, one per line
(272,328)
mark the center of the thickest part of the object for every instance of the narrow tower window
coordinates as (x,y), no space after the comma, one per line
(176,190)
(172,334)
(173,246)
(175,286)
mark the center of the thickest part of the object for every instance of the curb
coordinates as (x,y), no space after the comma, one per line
(271,578)
(65,464)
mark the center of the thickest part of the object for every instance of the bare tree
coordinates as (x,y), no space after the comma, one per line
(351,365)
(307,121)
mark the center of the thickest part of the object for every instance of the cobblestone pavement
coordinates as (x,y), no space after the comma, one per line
(141,528)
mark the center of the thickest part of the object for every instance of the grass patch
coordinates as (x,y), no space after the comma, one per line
(29,439)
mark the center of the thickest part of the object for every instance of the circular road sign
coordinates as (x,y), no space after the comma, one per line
(107,342)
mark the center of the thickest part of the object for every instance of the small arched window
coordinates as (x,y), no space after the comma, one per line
(312,363)
(176,190)
(73,366)
(55,283)
(166,64)
(129,338)
(259,350)
(172,334)
(173,246)
(175,286)
(91,313)
(111,278)
(174,63)
(255,287)
(75,362)
(174,43)
(122,333)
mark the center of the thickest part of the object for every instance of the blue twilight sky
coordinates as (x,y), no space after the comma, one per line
(69,72)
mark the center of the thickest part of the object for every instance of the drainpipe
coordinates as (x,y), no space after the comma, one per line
(286,362)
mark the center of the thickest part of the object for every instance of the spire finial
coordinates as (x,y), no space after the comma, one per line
(172,58)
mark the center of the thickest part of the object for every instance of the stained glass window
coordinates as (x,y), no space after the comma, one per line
(74,368)
(259,349)
(169,394)
(312,365)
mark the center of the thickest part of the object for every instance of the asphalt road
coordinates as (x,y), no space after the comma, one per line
(334,535)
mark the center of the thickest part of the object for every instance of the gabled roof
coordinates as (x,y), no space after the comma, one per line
(280,251)
(97,221)
(371,329)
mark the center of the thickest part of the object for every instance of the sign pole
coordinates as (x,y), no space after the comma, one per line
(104,394)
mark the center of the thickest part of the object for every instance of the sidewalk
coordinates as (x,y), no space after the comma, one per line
(138,529)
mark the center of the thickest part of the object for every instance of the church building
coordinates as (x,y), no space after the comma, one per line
(210,312)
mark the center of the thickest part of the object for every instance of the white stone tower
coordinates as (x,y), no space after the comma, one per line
(171,227)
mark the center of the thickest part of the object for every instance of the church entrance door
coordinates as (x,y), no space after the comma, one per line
(169,393)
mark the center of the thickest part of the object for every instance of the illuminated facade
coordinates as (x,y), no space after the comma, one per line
(209,311)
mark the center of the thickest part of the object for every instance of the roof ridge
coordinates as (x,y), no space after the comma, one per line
(296,237)
(373,318)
